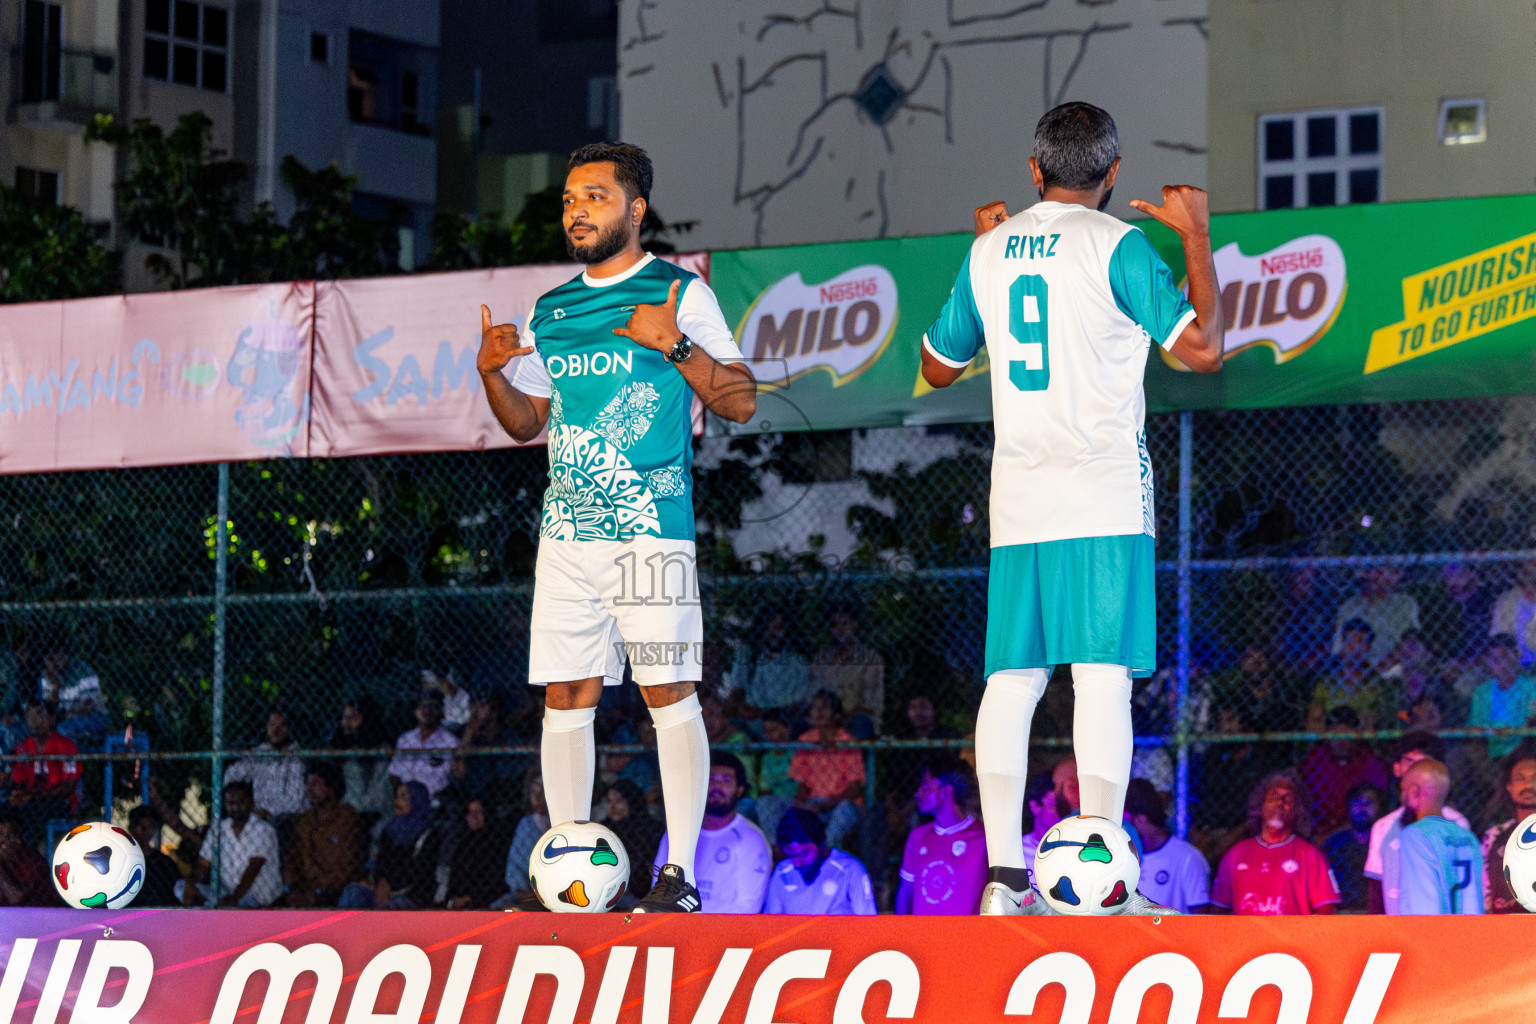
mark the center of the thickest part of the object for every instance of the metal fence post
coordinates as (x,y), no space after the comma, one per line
(220,607)
(1186,525)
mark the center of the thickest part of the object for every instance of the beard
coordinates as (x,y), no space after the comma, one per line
(1105,201)
(719,808)
(610,241)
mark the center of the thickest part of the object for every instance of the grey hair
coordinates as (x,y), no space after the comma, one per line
(1075,145)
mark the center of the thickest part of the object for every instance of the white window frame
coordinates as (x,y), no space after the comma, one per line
(1341,163)
(1480,135)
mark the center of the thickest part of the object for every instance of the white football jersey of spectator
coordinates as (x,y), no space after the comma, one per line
(840,887)
(434,772)
(257,839)
(1176,875)
(730,867)
(1389,618)
(1513,615)
(1381,860)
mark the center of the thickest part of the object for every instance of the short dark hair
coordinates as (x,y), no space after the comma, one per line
(330,773)
(1426,743)
(1344,715)
(1075,145)
(631,165)
(1366,789)
(1526,751)
(1141,797)
(799,825)
(949,770)
(726,759)
(1359,626)
(241,784)
(142,812)
(832,700)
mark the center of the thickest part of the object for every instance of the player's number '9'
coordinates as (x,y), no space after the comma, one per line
(1028,317)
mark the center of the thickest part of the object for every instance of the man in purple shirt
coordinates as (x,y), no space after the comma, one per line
(944,866)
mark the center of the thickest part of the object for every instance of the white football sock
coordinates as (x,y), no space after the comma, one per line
(682,752)
(1002,759)
(568,755)
(1102,737)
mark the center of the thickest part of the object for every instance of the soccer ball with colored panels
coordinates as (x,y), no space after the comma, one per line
(579,867)
(98,867)
(1520,863)
(1087,866)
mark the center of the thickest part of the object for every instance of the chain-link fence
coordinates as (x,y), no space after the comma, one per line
(1324,573)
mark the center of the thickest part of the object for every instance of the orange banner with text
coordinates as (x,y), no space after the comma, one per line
(219,967)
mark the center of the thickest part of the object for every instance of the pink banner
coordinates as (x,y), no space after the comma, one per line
(395,357)
(142,380)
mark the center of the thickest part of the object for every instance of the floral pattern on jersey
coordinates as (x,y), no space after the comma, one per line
(594,493)
(1148,511)
(556,409)
(625,420)
(667,482)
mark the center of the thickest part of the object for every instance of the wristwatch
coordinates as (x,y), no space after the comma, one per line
(680,352)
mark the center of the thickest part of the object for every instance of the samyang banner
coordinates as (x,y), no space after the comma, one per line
(373,967)
(1380,302)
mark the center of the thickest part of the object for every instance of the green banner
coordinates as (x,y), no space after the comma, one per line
(1389,302)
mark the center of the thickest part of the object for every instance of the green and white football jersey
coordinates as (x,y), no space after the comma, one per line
(620,431)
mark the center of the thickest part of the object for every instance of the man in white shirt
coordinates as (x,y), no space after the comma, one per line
(278,782)
(434,771)
(1383,861)
(1514,612)
(733,861)
(1390,613)
(812,879)
(1068,301)
(1173,872)
(250,874)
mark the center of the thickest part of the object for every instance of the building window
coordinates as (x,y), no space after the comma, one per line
(1320,158)
(40,185)
(187,43)
(389,83)
(319,48)
(603,103)
(1463,121)
(42,33)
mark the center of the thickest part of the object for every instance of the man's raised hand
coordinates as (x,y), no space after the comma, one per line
(654,327)
(498,345)
(1185,209)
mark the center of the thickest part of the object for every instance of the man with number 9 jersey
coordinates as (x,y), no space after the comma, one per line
(1067,301)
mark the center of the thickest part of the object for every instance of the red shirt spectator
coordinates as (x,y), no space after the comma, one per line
(1334,767)
(1276,871)
(45,775)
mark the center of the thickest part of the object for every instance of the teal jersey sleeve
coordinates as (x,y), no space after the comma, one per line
(1144,290)
(956,336)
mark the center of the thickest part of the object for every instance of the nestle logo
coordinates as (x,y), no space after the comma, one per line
(847,291)
(1291,262)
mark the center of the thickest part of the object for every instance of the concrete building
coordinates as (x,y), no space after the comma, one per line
(1316,102)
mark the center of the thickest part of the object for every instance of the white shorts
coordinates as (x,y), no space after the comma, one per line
(597,603)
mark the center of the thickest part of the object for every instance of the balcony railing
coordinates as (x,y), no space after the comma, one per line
(76,84)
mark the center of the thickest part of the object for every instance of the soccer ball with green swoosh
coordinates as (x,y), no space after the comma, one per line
(1087,867)
(579,867)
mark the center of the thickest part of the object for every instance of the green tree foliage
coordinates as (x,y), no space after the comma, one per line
(47,252)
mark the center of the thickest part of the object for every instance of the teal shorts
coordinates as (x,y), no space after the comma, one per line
(1090,600)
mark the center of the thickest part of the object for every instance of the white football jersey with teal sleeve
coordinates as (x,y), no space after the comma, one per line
(1441,870)
(1067,301)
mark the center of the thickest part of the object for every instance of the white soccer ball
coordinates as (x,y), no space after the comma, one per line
(579,867)
(98,867)
(1520,863)
(1087,866)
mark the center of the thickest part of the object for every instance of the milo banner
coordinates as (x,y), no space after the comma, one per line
(1384,302)
(262,967)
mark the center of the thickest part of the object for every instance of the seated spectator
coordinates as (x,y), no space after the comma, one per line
(1519,780)
(74,687)
(853,670)
(901,770)
(1507,698)
(250,867)
(326,853)
(944,862)
(24,876)
(278,782)
(525,837)
(831,780)
(1305,628)
(626,813)
(733,861)
(43,790)
(1354,683)
(1410,668)
(1514,612)
(489,776)
(1463,612)
(161,873)
(1258,690)
(1275,871)
(1381,860)
(1347,848)
(813,878)
(404,874)
(1388,612)
(1155,764)
(772,673)
(721,730)
(433,770)
(776,787)
(475,861)
(1442,867)
(1333,767)
(1042,810)
(1173,872)
(442,681)
(643,769)
(369,790)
